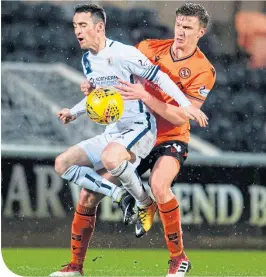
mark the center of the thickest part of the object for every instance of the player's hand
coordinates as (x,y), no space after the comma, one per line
(65,116)
(196,114)
(130,91)
(86,87)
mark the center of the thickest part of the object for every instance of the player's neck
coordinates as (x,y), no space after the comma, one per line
(179,53)
(98,45)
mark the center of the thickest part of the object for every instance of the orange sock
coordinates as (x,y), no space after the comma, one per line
(170,216)
(83,226)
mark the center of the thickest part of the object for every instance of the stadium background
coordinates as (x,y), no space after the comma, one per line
(222,187)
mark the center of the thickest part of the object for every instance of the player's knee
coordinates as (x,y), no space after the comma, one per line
(159,188)
(113,155)
(84,197)
(88,199)
(61,165)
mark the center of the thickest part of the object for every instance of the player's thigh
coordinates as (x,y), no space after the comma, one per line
(142,141)
(138,140)
(163,174)
(114,154)
(72,156)
(94,147)
(165,161)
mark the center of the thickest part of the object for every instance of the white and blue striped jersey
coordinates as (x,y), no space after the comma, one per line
(117,61)
(120,61)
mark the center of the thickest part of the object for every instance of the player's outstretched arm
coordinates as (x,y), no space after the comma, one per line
(86,87)
(79,109)
(176,115)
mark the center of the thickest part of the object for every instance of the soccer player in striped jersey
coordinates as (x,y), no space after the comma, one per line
(118,151)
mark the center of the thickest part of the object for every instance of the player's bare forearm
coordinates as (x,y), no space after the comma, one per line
(171,113)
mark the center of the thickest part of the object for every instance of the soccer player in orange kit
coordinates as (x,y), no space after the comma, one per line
(188,67)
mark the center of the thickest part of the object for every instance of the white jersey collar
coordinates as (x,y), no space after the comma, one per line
(109,43)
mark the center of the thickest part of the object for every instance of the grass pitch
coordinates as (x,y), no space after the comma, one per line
(138,262)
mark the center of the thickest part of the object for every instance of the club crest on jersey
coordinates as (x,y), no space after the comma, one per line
(110,62)
(203,91)
(184,72)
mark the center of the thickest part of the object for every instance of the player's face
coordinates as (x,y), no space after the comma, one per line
(188,31)
(85,30)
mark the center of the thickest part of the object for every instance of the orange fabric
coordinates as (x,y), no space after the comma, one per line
(83,226)
(170,217)
(194,75)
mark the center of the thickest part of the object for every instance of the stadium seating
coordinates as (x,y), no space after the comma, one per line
(30,119)
(236,106)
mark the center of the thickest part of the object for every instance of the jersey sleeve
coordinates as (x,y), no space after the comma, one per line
(201,85)
(143,47)
(138,64)
(79,108)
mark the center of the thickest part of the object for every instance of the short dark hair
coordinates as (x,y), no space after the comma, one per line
(193,9)
(97,13)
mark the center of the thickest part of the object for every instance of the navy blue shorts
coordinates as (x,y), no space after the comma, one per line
(173,148)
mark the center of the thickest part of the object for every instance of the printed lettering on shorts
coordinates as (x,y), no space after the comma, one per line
(176,149)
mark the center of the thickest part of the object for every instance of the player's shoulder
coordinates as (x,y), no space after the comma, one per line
(199,64)
(202,60)
(121,49)
(114,44)
(155,43)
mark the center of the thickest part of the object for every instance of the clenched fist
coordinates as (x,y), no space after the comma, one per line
(86,87)
(65,116)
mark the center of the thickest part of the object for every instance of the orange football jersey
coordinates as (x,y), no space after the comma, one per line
(193,74)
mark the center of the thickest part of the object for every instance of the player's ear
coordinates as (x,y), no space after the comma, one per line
(101,26)
(202,32)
